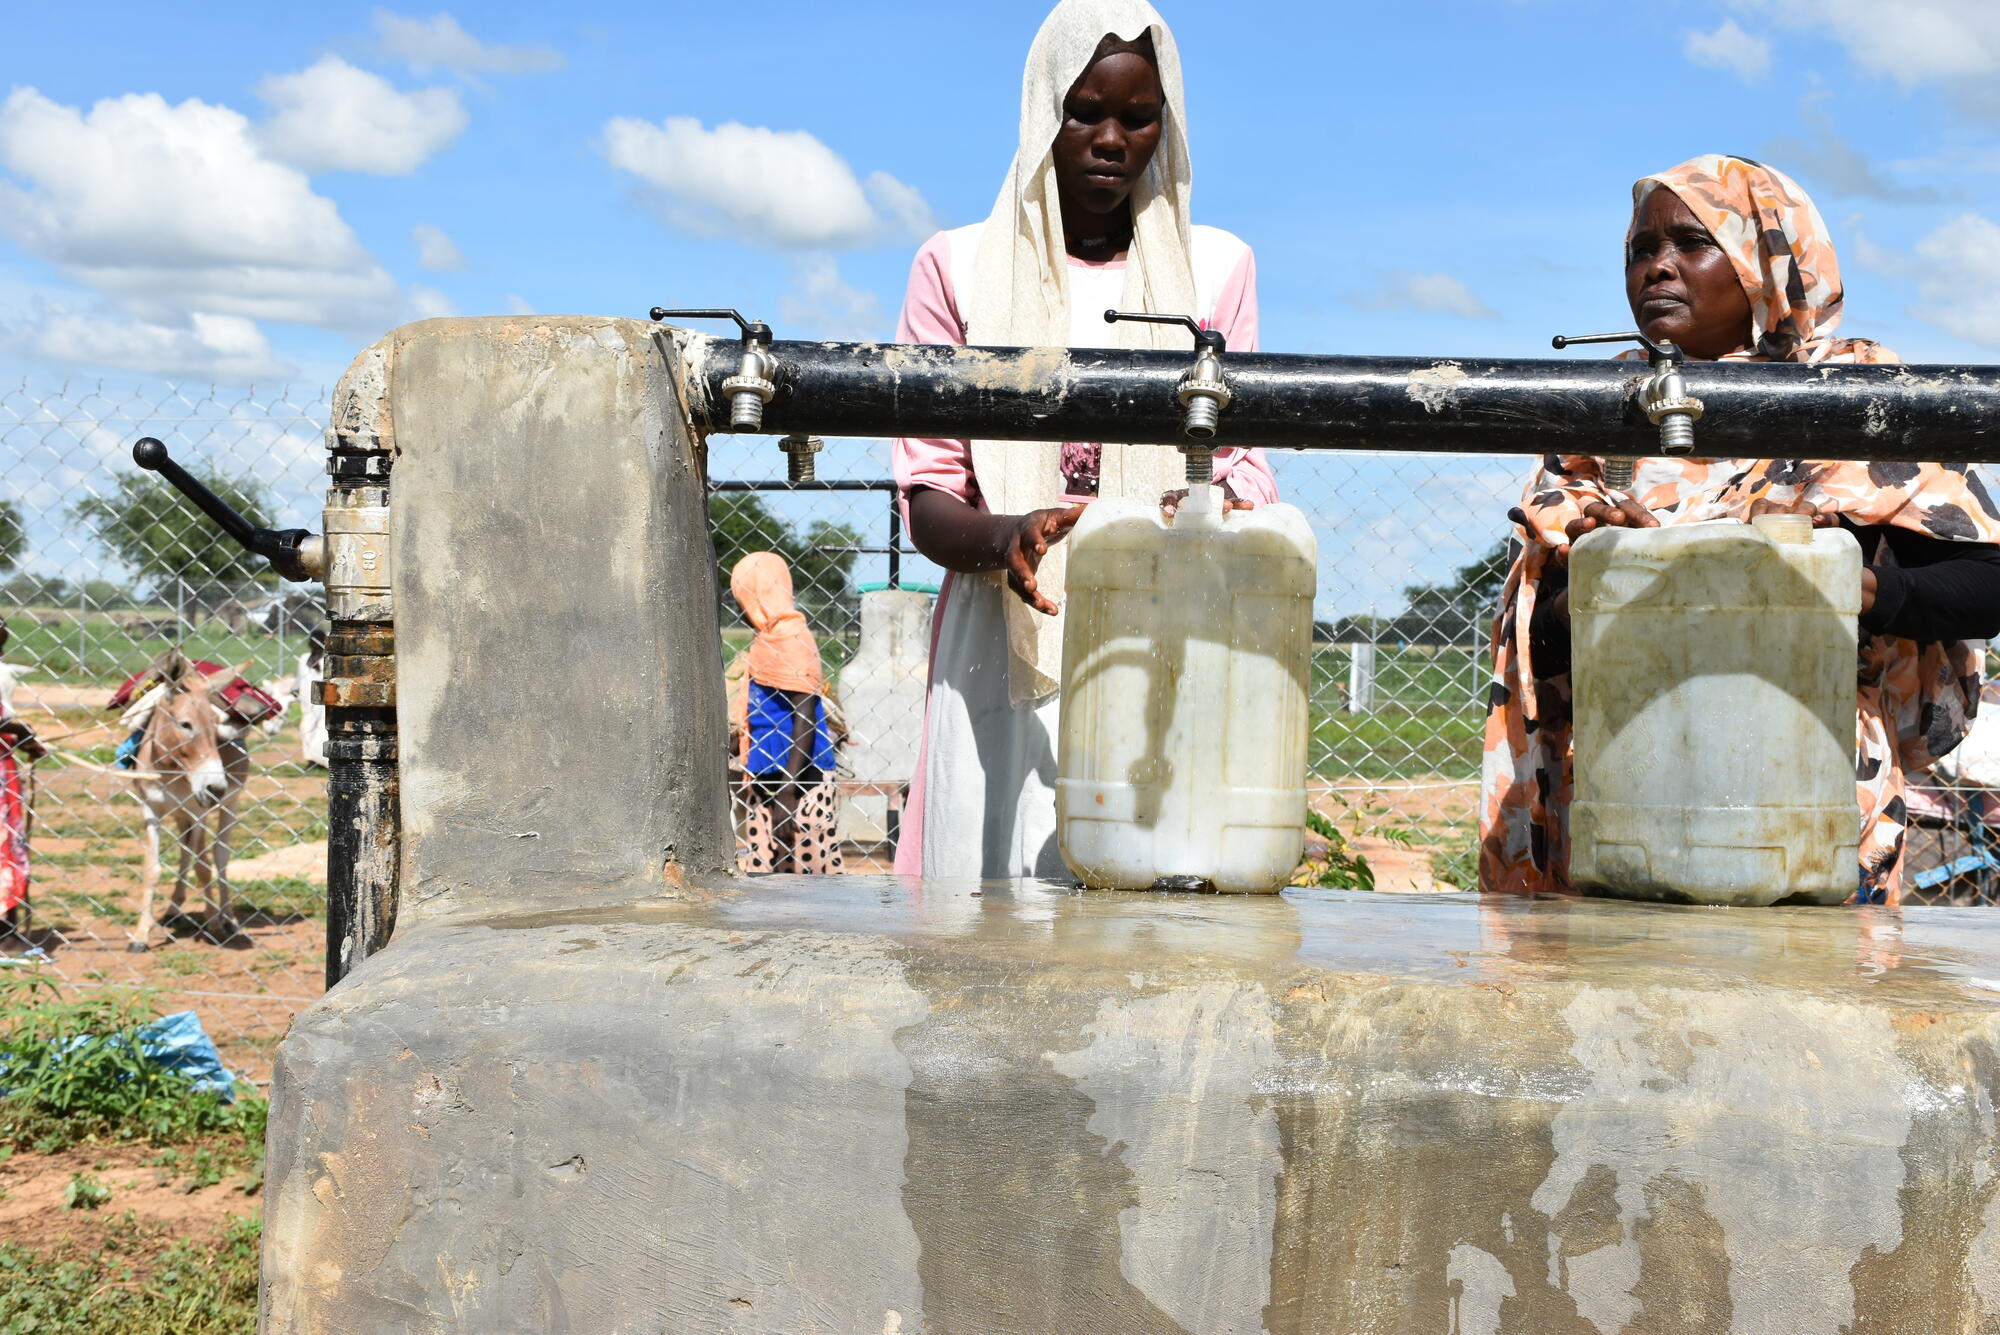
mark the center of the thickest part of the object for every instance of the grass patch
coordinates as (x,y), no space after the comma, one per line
(279,897)
(101,652)
(74,1074)
(128,1286)
(1456,861)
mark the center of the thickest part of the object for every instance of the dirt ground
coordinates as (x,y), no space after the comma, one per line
(32,1186)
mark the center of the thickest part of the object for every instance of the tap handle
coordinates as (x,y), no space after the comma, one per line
(280,547)
(1663,351)
(1203,338)
(754,331)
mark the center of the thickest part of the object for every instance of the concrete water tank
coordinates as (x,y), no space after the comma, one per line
(597,1084)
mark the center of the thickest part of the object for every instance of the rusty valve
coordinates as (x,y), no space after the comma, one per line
(751,387)
(1663,397)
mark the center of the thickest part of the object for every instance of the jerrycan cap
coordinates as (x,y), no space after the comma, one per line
(1784,528)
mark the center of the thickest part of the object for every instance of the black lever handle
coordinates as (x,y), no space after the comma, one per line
(1203,338)
(283,548)
(1655,352)
(754,331)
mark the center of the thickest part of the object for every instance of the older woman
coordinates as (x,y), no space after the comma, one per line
(1093,215)
(1729,259)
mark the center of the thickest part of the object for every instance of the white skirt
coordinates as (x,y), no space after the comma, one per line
(989,767)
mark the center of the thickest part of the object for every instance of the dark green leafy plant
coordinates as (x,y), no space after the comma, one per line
(127,1287)
(73,1071)
(84,1192)
(1338,867)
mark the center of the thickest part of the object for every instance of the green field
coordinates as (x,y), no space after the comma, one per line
(100,649)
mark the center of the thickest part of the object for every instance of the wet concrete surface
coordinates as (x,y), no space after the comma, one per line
(866,1104)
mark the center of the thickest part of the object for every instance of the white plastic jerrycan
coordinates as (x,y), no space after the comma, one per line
(1187,658)
(1712,670)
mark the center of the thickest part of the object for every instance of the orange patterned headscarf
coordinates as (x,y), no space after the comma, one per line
(1779,246)
(784,655)
(1913,702)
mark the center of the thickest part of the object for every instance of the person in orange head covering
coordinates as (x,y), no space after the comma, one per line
(780,723)
(1729,259)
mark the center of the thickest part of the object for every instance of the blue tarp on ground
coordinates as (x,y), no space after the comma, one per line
(179,1043)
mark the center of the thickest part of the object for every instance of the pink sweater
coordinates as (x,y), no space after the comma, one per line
(930,315)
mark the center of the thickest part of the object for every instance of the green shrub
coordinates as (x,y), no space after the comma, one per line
(74,1072)
(206,1287)
(84,1192)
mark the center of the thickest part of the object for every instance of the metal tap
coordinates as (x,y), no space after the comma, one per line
(751,387)
(1663,397)
(1203,391)
(799,451)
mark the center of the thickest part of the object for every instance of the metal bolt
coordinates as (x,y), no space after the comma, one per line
(1618,472)
(1200,460)
(799,461)
(1677,434)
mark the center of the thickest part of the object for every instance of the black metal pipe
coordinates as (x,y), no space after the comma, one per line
(1416,404)
(364,834)
(817,484)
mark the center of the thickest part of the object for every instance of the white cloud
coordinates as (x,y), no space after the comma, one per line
(1441,294)
(225,348)
(176,209)
(1828,159)
(519,305)
(1911,41)
(440,43)
(823,305)
(1954,43)
(435,248)
(1729,48)
(902,206)
(428,303)
(782,187)
(1957,268)
(334,117)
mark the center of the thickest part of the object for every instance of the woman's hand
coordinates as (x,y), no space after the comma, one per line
(1171,502)
(1764,505)
(1621,511)
(1027,542)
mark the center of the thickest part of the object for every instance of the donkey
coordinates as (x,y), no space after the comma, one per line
(191,766)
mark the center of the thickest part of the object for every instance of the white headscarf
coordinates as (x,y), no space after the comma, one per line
(1020,295)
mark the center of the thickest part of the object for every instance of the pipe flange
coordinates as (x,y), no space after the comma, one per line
(749,384)
(1215,390)
(1686,403)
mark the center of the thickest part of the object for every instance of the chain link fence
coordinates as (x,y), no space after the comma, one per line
(102,571)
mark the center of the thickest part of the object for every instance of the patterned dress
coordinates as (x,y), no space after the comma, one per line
(1913,701)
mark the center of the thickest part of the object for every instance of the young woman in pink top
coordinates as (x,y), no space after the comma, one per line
(1093,216)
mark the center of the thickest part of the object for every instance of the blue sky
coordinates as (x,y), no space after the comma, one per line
(233,193)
